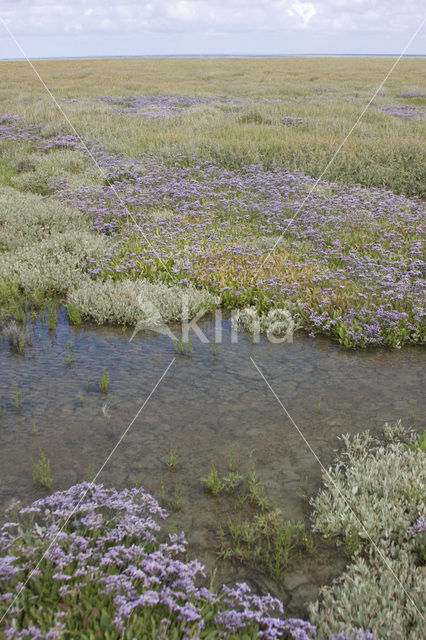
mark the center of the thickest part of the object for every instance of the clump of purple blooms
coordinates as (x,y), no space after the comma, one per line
(91,558)
(404,111)
(159,107)
(154,106)
(350,260)
(410,94)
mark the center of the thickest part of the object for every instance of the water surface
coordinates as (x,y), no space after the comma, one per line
(206,403)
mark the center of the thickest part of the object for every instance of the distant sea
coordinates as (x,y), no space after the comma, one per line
(226,55)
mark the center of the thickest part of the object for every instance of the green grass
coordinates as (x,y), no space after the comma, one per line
(104,381)
(41,472)
(382,151)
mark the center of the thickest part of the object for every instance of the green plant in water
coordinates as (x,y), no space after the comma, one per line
(183,348)
(17,336)
(214,347)
(231,482)
(18,396)
(41,471)
(163,491)
(265,541)
(74,315)
(69,356)
(176,502)
(254,491)
(52,316)
(212,481)
(232,465)
(172,458)
(91,473)
(104,381)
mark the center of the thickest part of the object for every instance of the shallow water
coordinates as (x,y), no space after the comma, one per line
(205,404)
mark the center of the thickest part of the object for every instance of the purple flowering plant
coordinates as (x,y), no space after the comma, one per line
(90,562)
(349,260)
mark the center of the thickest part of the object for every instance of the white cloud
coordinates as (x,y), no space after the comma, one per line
(228,15)
(191,19)
(305,10)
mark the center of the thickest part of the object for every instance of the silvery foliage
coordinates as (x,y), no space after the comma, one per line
(53,265)
(142,303)
(44,245)
(278,324)
(371,496)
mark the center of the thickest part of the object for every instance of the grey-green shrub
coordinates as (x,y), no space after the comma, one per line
(129,302)
(53,265)
(372,495)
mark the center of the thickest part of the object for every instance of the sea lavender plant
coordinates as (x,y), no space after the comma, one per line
(93,563)
(350,260)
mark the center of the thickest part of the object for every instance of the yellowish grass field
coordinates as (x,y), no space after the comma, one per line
(383,150)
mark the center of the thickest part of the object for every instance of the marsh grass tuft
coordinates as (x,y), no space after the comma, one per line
(69,357)
(212,481)
(183,348)
(18,396)
(17,336)
(104,381)
(257,535)
(52,315)
(41,471)
(231,462)
(265,541)
(176,502)
(74,315)
(172,458)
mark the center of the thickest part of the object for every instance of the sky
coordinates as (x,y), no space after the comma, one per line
(48,28)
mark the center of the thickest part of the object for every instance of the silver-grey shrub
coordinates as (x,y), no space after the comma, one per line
(129,302)
(26,218)
(54,265)
(371,496)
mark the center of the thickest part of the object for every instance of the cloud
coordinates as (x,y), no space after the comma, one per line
(226,16)
(123,27)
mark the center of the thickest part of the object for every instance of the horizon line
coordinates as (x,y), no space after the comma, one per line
(217,55)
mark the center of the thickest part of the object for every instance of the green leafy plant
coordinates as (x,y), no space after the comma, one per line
(18,396)
(172,458)
(74,315)
(183,348)
(212,481)
(69,356)
(264,541)
(41,471)
(104,381)
(420,443)
(232,465)
(176,502)
(52,315)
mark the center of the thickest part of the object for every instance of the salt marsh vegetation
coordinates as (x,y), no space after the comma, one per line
(192,187)
(179,216)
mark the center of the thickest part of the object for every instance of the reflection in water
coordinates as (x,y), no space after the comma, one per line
(205,404)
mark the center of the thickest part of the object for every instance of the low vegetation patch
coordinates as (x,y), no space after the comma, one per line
(346,261)
(373,502)
(94,566)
